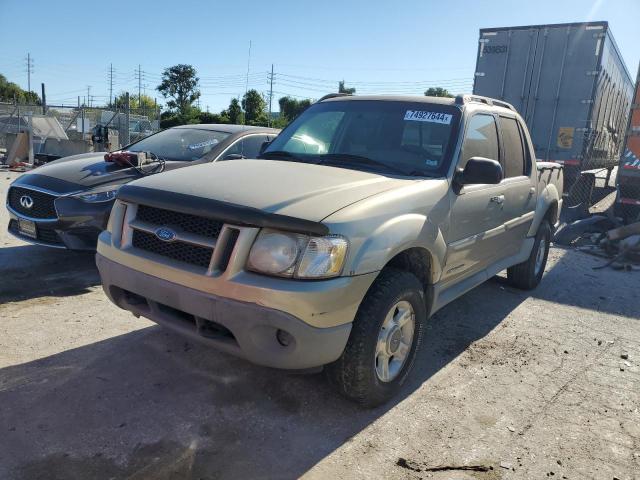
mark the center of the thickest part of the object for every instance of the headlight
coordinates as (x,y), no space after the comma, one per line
(104,194)
(323,257)
(292,255)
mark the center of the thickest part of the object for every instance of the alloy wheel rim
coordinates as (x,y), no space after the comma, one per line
(394,341)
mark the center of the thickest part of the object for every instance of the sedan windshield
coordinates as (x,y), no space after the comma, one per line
(182,144)
(396,137)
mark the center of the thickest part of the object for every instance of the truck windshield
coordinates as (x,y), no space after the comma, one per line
(396,137)
(182,144)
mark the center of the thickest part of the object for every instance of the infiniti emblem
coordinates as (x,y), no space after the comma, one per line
(26,201)
(165,234)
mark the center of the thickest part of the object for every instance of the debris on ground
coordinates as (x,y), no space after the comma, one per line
(409,465)
(604,236)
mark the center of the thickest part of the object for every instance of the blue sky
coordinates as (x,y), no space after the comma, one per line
(376,46)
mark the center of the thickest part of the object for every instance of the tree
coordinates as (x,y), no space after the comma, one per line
(254,106)
(206,117)
(10,91)
(234,113)
(343,89)
(180,85)
(290,108)
(438,92)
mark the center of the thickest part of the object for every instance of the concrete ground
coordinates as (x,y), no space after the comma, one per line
(511,384)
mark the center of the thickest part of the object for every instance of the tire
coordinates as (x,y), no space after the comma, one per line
(356,373)
(527,275)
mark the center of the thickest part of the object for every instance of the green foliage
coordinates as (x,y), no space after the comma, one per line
(146,103)
(343,89)
(290,108)
(180,85)
(438,92)
(279,122)
(206,117)
(254,106)
(234,113)
(172,119)
(10,91)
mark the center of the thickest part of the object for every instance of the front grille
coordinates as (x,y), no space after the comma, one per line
(181,251)
(45,235)
(43,206)
(207,227)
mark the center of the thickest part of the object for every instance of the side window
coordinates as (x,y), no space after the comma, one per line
(248,147)
(513,158)
(481,139)
(251,145)
(528,158)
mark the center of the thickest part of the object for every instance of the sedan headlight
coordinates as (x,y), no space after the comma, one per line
(104,194)
(293,255)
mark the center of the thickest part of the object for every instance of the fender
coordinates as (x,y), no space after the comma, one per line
(546,199)
(395,236)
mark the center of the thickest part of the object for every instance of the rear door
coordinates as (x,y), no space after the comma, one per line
(505,65)
(517,188)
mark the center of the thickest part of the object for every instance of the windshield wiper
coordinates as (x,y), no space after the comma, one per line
(281,155)
(360,160)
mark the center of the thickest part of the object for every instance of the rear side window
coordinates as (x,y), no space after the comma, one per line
(513,158)
(481,139)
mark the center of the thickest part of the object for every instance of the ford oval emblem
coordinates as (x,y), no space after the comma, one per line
(165,234)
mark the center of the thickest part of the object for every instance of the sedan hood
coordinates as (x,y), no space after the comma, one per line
(81,172)
(300,190)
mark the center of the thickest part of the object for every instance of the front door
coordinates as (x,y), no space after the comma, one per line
(476,233)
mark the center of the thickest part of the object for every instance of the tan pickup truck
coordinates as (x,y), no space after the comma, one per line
(359,221)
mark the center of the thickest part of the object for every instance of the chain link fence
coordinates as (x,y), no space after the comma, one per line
(590,179)
(61,130)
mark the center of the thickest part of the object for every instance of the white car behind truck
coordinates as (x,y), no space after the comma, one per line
(359,221)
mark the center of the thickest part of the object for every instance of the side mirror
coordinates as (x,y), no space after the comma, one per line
(478,170)
(263,147)
(233,156)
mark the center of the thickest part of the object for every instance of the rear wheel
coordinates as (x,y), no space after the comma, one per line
(385,338)
(527,275)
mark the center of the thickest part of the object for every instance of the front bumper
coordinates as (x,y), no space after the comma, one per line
(239,326)
(76,227)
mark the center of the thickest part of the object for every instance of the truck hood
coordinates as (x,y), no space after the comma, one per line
(300,190)
(81,172)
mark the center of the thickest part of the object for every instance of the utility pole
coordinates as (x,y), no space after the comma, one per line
(270,94)
(29,71)
(127,112)
(110,83)
(139,86)
(44,100)
(88,96)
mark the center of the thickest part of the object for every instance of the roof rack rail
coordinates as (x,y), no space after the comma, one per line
(333,95)
(462,99)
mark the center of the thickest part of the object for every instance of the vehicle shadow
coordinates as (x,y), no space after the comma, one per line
(31,271)
(148,404)
(578,279)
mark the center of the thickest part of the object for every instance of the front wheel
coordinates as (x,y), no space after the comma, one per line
(385,338)
(527,275)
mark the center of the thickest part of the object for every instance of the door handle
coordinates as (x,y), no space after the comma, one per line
(499,199)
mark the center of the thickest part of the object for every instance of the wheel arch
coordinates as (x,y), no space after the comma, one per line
(547,208)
